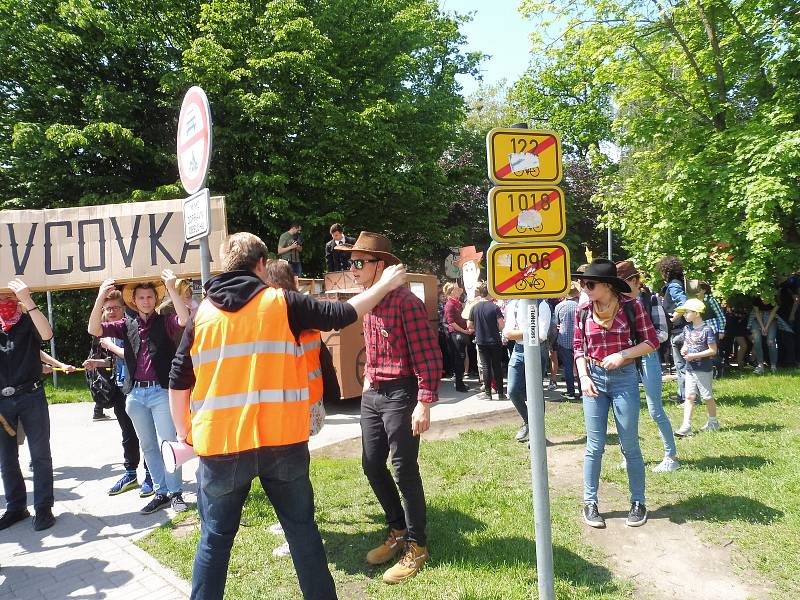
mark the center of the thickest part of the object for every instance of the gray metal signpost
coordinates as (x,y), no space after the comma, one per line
(531,266)
(194,156)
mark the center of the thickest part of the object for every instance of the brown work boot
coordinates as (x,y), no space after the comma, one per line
(414,556)
(388,549)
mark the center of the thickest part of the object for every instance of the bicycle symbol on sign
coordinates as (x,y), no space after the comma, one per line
(530,280)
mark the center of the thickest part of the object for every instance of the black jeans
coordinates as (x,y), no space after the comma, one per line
(31,410)
(130,443)
(223,486)
(492,363)
(458,352)
(385,426)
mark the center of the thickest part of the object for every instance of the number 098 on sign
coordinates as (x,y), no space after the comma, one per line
(528,270)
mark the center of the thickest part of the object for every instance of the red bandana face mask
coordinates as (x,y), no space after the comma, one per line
(9,313)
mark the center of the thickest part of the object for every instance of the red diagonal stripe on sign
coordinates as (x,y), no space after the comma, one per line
(538,206)
(527,272)
(188,143)
(543,145)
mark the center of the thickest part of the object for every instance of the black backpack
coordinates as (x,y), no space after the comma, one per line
(102,383)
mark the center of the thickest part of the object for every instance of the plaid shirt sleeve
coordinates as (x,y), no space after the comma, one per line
(717,322)
(423,347)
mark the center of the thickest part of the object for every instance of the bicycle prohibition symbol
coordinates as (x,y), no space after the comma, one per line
(530,279)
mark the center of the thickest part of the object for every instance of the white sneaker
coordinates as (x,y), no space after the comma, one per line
(624,464)
(667,465)
(684,431)
(552,386)
(759,370)
(710,425)
(276,529)
(282,550)
(774,369)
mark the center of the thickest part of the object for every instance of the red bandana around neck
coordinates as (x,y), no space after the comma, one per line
(10,313)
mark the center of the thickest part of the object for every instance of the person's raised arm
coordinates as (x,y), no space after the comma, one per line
(95,327)
(23,294)
(169,279)
(392,277)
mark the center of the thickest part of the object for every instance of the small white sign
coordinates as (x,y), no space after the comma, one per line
(197,215)
(520,161)
(533,323)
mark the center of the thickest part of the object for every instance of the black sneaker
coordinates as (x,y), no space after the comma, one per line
(592,516)
(178,504)
(13,516)
(460,387)
(638,515)
(159,501)
(44,519)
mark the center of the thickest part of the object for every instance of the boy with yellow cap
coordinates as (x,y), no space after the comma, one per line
(699,348)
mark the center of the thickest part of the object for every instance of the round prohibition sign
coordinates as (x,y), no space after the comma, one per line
(194,140)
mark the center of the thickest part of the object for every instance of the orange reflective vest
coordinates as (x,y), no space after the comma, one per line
(251,386)
(311,342)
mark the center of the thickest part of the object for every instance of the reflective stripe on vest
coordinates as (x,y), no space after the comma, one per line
(311,343)
(252,387)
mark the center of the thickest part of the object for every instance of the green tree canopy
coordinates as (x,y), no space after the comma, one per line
(704,104)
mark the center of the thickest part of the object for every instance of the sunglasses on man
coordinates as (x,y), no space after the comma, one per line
(358,263)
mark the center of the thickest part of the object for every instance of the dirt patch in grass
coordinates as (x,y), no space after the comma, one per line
(664,560)
(440,430)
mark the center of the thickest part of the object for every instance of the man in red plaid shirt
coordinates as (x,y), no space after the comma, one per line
(401,380)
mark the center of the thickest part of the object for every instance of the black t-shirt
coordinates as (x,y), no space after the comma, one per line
(484,315)
(19,354)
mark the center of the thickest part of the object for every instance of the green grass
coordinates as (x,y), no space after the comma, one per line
(71,388)
(480,522)
(739,485)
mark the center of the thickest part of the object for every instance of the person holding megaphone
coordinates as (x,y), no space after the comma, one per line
(239,395)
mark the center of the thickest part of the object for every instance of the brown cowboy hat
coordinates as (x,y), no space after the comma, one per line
(372,243)
(127,292)
(466,254)
(626,269)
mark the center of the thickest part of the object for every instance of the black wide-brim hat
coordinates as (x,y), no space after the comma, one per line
(372,243)
(605,271)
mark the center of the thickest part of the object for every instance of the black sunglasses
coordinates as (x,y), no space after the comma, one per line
(358,263)
(589,284)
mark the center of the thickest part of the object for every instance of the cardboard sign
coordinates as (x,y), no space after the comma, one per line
(68,248)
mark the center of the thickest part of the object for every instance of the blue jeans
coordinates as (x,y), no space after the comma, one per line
(31,410)
(772,346)
(297,267)
(148,409)
(618,389)
(516,381)
(566,356)
(223,485)
(653,390)
(676,342)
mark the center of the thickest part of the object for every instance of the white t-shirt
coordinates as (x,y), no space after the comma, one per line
(515,318)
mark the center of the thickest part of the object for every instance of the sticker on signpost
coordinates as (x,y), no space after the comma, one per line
(528,270)
(526,214)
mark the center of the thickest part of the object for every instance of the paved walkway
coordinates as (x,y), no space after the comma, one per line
(90,552)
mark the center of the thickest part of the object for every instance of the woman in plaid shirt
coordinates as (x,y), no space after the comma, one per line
(605,356)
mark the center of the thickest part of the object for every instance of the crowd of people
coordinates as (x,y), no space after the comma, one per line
(614,332)
(242,375)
